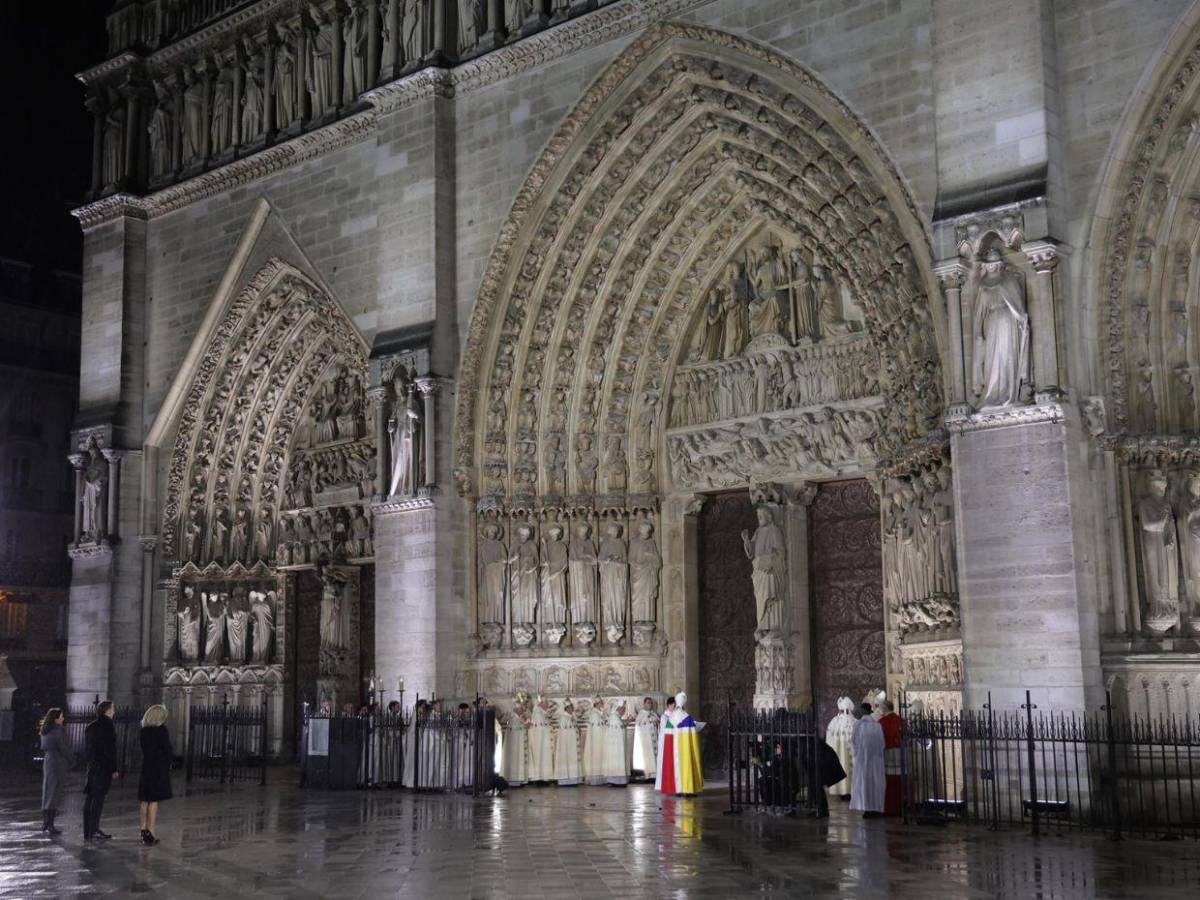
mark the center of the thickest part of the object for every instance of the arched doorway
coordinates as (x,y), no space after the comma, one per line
(712,280)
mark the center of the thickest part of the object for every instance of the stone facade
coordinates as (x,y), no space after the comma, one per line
(489,296)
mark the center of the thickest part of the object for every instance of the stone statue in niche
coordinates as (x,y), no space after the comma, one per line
(943,522)
(237,619)
(333,612)
(262,535)
(645,571)
(95,488)
(523,585)
(160,132)
(189,626)
(262,612)
(361,544)
(239,542)
(470,24)
(1190,520)
(388,34)
(768,555)
(252,98)
(555,562)
(318,73)
(412,30)
(737,326)
(587,462)
(193,119)
(285,80)
(614,581)
(222,116)
(354,53)
(1160,554)
(193,534)
(113,148)
(285,542)
(515,12)
(1001,361)
(214,607)
(493,584)
(582,562)
(404,431)
(219,538)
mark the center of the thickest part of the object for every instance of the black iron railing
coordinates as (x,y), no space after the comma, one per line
(773,763)
(1055,771)
(227,743)
(126,719)
(426,751)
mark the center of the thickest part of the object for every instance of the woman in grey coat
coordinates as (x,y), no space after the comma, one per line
(57,762)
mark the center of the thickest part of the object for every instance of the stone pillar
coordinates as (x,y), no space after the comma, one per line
(239,78)
(339,58)
(269,86)
(112,503)
(952,277)
(428,387)
(1026,588)
(383,455)
(797,501)
(1043,325)
(149,543)
(680,595)
(178,85)
(77,462)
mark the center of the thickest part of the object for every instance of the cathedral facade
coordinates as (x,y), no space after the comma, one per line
(771,351)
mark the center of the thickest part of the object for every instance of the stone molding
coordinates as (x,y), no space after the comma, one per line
(395,505)
(983,420)
(90,550)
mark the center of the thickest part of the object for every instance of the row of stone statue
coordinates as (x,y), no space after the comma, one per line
(559,581)
(335,413)
(324,534)
(1169,546)
(339,468)
(304,69)
(770,382)
(920,581)
(229,616)
(770,290)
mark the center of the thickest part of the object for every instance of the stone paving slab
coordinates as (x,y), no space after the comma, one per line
(279,841)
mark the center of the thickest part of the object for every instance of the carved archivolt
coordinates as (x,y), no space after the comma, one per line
(1152,355)
(686,148)
(276,345)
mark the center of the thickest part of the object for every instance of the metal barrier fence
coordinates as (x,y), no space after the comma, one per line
(227,743)
(773,760)
(1048,770)
(425,751)
(126,719)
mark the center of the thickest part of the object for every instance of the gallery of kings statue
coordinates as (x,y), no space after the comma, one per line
(769,351)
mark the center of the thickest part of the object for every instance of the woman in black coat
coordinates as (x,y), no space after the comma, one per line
(57,762)
(155,783)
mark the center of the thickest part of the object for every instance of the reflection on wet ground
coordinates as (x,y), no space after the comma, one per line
(279,841)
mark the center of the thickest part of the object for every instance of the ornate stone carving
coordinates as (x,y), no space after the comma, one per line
(768,554)
(1001,338)
(1159,551)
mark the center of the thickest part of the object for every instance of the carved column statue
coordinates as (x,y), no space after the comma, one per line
(1001,334)
(492,563)
(113,154)
(413,27)
(78,462)
(645,571)
(94,496)
(523,579)
(1189,518)
(555,563)
(389,16)
(1160,555)
(161,132)
(614,582)
(582,563)
(768,555)
(285,80)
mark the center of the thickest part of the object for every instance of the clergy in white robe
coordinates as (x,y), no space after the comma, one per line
(616,757)
(541,743)
(514,766)
(838,736)
(645,740)
(566,747)
(867,783)
(593,747)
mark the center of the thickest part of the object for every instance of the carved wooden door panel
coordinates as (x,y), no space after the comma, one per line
(846,570)
(726,619)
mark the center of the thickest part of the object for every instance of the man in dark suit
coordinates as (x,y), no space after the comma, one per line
(100,751)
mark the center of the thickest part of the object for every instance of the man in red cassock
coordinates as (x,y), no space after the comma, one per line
(892,725)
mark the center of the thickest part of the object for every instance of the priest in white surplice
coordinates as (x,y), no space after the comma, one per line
(566,746)
(593,747)
(616,757)
(839,735)
(541,742)
(867,783)
(515,767)
(645,740)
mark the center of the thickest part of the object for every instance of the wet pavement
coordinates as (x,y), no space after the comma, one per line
(279,841)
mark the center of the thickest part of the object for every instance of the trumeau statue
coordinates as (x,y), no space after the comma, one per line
(767,553)
(645,568)
(1160,554)
(614,581)
(1001,361)
(515,12)
(318,74)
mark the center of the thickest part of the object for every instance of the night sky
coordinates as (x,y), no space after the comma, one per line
(45,152)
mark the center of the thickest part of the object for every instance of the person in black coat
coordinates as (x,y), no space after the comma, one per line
(57,762)
(155,784)
(821,770)
(100,752)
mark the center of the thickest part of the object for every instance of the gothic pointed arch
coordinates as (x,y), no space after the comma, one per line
(692,150)
(264,366)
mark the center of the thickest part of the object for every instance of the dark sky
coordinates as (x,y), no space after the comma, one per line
(45,148)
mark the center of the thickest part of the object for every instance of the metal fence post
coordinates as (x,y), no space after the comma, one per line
(729,753)
(224,734)
(416,719)
(262,742)
(191,746)
(1114,787)
(1029,707)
